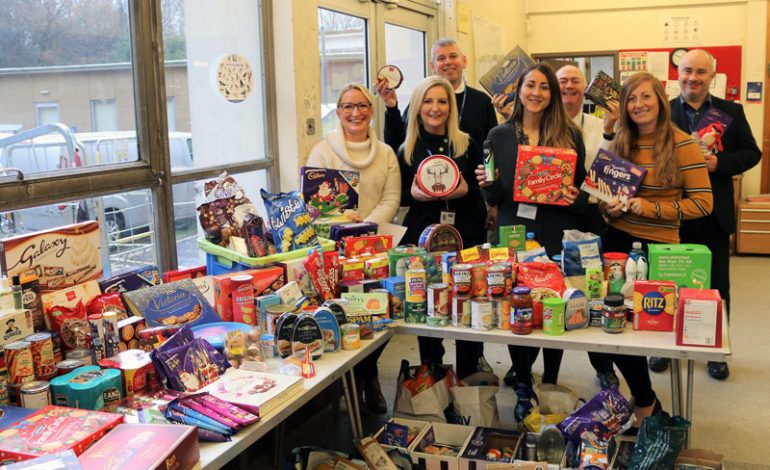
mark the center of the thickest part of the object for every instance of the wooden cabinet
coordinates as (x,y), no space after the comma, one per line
(753,228)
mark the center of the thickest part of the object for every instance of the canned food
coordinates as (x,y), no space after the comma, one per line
(482,317)
(58,356)
(42,355)
(461,312)
(438,301)
(553,316)
(479,280)
(111,333)
(595,312)
(497,276)
(68,365)
(415,306)
(272,313)
(461,280)
(18,358)
(35,395)
(5,398)
(83,355)
(502,309)
(243,300)
(351,336)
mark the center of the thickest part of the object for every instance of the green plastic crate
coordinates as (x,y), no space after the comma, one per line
(220,260)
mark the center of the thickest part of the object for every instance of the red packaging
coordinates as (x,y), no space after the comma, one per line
(243,300)
(479,280)
(111,302)
(72,324)
(315,269)
(654,305)
(699,318)
(189,273)
(332,268)
(542,173)
(138,372)
(352,269)
(145,446)
(367,245)
(545,280)
(265,281)
(55,429)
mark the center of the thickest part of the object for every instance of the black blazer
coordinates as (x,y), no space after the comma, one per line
(741,153)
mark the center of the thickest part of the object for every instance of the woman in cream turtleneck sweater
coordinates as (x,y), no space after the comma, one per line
(354,146)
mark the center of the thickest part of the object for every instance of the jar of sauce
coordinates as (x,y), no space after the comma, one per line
(521,311)
(614,314)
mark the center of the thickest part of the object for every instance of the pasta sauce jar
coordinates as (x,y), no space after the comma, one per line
(614,314)
(521,311)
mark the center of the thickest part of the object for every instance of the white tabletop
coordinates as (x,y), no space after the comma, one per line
(329,368)
(630,341)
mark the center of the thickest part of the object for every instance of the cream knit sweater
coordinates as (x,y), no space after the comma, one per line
(379,193)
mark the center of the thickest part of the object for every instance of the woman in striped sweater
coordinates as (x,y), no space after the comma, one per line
(675,188)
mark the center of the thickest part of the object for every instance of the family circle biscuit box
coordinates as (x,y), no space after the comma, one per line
(173,304)
(542,173)
(54,429)
(330,191)
(60,257)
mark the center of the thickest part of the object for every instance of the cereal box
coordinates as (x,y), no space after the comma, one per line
(542,173)
(15,325)
(330,191)
(654,305)
(172,304)
(612,177)
(54,429)
(60,257)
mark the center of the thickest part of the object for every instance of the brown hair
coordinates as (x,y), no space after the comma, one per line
(556,128)
(626,141)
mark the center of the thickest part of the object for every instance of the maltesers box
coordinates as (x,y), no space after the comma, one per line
(61,257)
(400,433)
(687,265)
(145,446)
(699,318)
(265,281)
(474,455)
(54,429)
(654,305)
(15,325)
(450,435)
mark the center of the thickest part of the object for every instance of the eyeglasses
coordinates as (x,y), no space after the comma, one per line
(348,108)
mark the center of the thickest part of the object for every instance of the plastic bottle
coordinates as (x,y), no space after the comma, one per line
(640,262)
(18,293)
(531,243)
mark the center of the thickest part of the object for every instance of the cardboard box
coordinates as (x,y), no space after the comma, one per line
(512,236)
(542,173)
(145,446)
(146,276)
(687,265)
(61,257)
(699,318)
(10,414)
(54,429)
(66,460)
(701,458)
(441,433)
(15,325)
(295,271)
(397,289)
(205,285)
(474,455)
(265,281)
(189,273)
(396,432)
(654,305)
(173,304)
(70,296)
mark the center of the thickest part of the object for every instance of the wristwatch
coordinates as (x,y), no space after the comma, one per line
(609,136)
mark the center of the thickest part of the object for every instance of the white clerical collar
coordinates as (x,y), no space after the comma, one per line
(461,88)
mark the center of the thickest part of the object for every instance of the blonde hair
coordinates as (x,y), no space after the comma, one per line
(355,86)
(626,140)
(556,128)
(458,140)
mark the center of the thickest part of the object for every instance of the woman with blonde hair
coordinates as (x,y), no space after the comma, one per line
(432,129)
(354,146)
(538,118)
(675,188)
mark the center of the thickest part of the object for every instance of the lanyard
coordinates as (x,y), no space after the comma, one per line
(462,106)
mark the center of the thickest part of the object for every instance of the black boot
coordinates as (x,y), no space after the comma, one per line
(526,401)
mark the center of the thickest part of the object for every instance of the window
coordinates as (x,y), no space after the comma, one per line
(171,113)
(46,113)
(104,116)
(405,48)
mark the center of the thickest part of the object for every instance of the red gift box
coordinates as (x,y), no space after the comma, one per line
(542,173)
(264,280)
(54,429)
(146,446)
(189,273)
(699,318)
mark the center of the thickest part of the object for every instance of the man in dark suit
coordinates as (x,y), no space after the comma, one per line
(696,71)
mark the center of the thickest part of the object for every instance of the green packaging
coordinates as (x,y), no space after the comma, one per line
(512,236)
(687,265)
(594,278)
(553,316)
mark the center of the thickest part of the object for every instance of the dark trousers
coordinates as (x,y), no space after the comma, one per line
(367,368)
(522,358)
(707,231)
(467,354)
(633,368)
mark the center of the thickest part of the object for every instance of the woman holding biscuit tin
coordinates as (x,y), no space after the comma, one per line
(538,118)
(432,129)
(676,187)
(354,146)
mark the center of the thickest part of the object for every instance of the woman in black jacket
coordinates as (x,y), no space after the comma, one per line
(538,118)
(432,129)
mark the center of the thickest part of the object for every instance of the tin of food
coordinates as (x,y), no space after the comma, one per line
(392,75)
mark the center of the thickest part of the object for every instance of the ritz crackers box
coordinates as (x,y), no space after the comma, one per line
(542,173)
(654,305)
(60,257)
(54,429)
(146,446)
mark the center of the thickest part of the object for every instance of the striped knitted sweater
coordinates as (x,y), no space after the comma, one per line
(665,207)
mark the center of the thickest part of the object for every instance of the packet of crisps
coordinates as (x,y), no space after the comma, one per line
(290,222)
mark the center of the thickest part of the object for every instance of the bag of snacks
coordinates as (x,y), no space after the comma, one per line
(603,415)
(290,223)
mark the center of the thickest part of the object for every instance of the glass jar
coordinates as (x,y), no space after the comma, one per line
(521,311)
(614,314)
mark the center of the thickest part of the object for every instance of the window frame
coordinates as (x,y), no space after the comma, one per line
(153,169)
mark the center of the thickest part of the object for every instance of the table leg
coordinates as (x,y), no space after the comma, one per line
(354,393)
(349,405)
(278,452)
(688,412)
(676,387)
